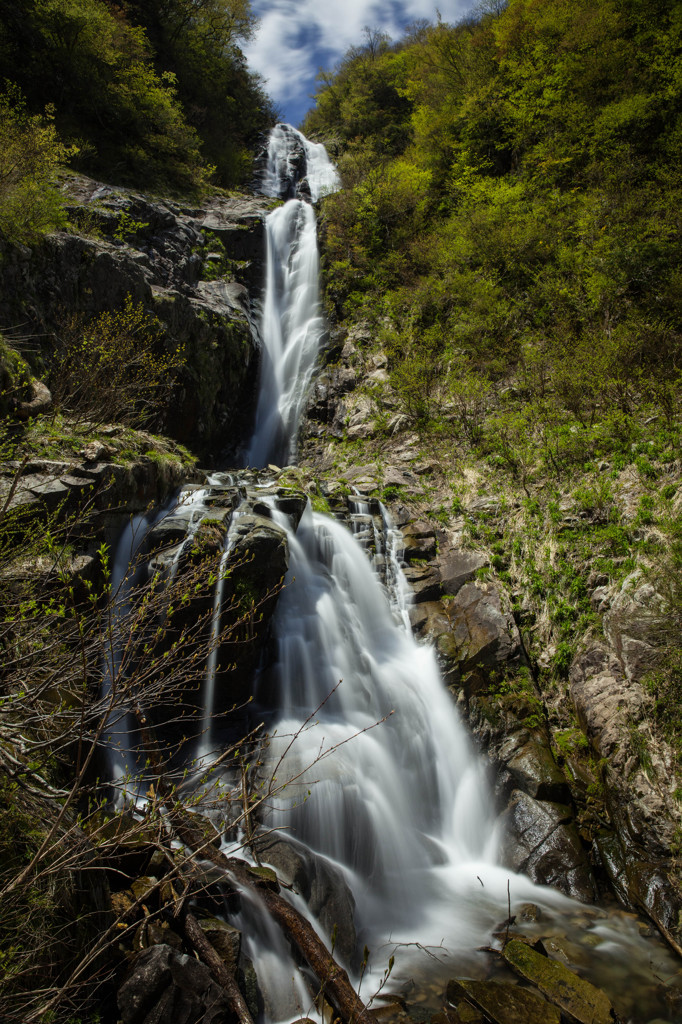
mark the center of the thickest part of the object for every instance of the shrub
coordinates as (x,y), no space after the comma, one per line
(30,152)
(114,367)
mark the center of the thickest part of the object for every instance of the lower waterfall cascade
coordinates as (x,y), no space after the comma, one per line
(387,790)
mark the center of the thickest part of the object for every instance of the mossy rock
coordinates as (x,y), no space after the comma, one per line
(265,877)
(503,1003)
(580,1002)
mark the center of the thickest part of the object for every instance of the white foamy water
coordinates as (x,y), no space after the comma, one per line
(291,159)
(375,771)
(292,326)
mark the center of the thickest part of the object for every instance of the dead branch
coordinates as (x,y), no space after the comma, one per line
(196,938)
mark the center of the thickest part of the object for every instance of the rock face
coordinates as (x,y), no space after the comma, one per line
(229,528)
(632,625)
(257,564)
(542,842)
(638,784)
(165,985)
(157,253)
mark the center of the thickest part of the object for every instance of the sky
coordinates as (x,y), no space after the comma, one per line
(297,38)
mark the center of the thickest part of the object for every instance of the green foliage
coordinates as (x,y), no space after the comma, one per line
(197,42)
(15,377)
(127,228)
(30,153)
(114,367)
(141,88)
(510,189)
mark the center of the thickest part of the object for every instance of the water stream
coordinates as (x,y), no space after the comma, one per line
(292,326)
(385,785)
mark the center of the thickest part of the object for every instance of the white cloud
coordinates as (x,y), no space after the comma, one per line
(296,37)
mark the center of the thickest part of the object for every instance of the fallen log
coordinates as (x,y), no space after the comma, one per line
(195,936)
(334,982)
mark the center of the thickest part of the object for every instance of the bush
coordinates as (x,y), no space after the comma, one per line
(30,153)
(113,367)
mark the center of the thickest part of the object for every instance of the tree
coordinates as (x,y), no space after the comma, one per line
(114,367)
(95,68)
(30,154)
(198,43)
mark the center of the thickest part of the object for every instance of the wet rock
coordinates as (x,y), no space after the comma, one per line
(504,1003)
(474,634)
(319,883)
(530,763)
(256,568)
(579,1001)
(163,985)
(643,882)
(226,940)
(293,504)
(529,912)
(425,582)
(419,541)
(542,842)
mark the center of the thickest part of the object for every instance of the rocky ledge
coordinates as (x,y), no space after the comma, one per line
(198,270)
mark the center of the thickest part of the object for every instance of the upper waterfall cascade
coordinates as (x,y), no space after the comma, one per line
(291,326)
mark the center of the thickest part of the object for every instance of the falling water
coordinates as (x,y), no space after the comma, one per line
(387,787)
(292,326)
(126,573)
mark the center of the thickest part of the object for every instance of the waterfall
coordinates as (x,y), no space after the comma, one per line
(294,164)
(375,772)
(126,572)
(398,790)
(292,326)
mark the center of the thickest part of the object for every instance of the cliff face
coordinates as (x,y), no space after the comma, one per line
(191,267)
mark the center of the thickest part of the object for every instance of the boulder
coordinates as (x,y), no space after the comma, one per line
(164,986)
(38,404)
(542,842)
(226,940)
(425,582)
(503,1003)
(580,1002)
(320,884)
(419,541)
(459,566)
(528,759)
